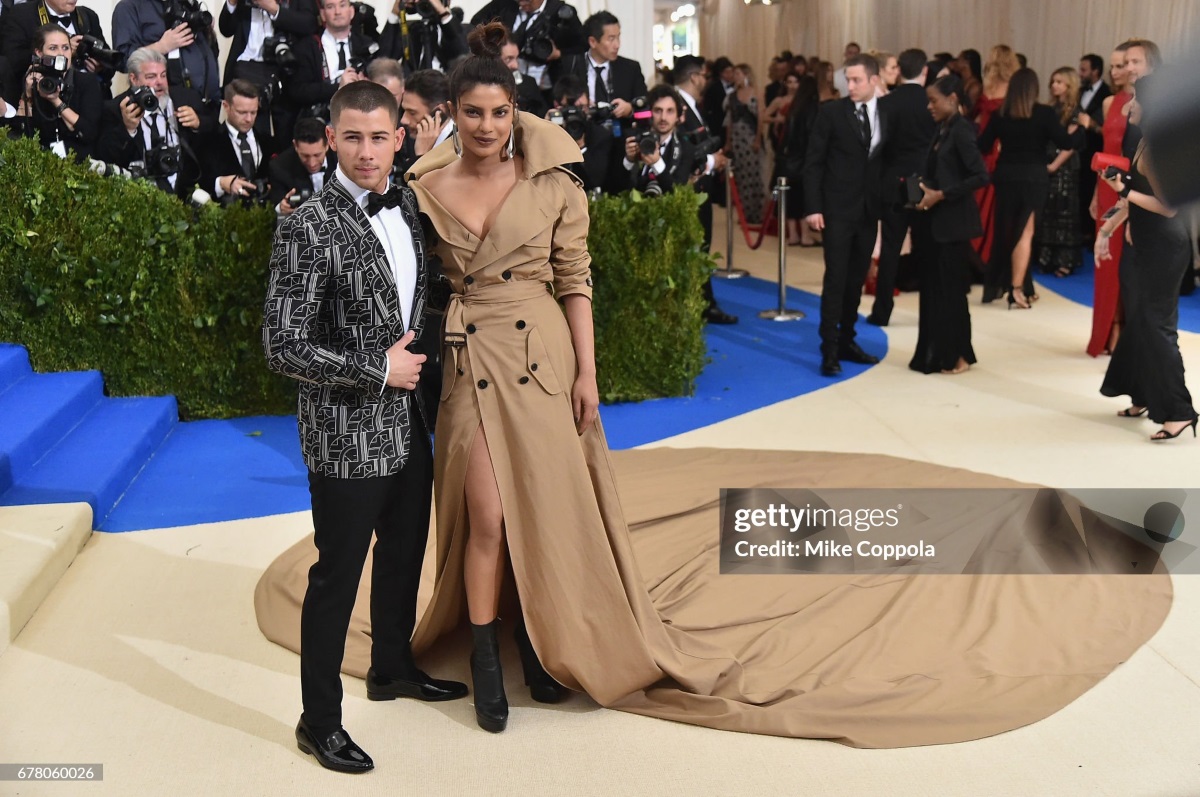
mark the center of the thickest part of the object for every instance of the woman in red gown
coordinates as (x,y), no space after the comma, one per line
(1002,63)
(1106,303)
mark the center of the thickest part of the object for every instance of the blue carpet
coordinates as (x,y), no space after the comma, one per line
(1080,286)
(208,471)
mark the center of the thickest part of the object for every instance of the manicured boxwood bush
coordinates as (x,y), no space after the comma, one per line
(164,298)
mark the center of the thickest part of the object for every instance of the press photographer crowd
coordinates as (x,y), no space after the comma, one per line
(911,170)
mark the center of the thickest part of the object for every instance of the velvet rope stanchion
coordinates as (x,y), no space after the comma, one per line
(735,201)
(729,272)
(779,195)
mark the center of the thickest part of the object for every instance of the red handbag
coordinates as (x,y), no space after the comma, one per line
(1102,160)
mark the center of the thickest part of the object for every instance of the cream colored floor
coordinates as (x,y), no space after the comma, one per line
(146,656)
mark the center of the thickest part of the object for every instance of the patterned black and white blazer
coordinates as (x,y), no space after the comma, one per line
(332,310)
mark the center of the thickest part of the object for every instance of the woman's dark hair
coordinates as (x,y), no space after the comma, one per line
(949,85)
(808,96)
(1143,91)
(39,35)
(1022,94)
(483,67)
(974,62)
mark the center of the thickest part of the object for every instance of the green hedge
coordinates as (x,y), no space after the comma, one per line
(118,276)
(649,269)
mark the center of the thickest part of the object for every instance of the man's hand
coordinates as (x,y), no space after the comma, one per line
(631,150)
(428,130)
(131,114)
(621,109)
(75,40)
(404,366)
(652,158)
(188,117)
(92,65)
(270,6)
(285,207)
(351,75)
(815,221)
(1085,121)
(720,161)
(439,10)
(234,185)
(174,39)
(555,54)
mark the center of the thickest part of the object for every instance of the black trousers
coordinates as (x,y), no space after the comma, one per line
(848,246)
(896,221)
(706,223)
(346,512)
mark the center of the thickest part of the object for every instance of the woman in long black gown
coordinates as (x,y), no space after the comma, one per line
(942,236)
(1146,364)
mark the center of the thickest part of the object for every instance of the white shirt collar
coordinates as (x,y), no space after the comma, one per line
(592,62)
(234,133)
(356,191)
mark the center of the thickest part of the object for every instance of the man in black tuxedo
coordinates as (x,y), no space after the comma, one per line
(164,141)
(345,307)
(1093,91)
(690,76)
(544,30)
(19,24)
(910,132)
(305,166)
(595,142)
(843,170)
(529,97)
(671,163)
(419,42)
(235,155)
(328,61)
(610,77)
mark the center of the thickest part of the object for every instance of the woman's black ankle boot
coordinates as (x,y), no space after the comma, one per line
(491,705)
(542,687)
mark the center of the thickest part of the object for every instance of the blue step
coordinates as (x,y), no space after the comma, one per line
(100,457)
(14,364)
(38,411)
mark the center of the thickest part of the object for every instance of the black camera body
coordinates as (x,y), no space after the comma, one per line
(278,50)
(703,144)
(642,127)
(422,7)
(93,47)
(539,44)
(52,68)
(162,161)
(300,197)
(1112,172)
(361,56)
(190,13)
(571,118)
(144,97)
(365,23)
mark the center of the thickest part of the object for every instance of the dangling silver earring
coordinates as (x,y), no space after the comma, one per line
(457,142)
(510,148)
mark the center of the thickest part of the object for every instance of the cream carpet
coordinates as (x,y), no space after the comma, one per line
(146,656)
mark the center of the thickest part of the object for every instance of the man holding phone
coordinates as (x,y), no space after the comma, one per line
(425,118)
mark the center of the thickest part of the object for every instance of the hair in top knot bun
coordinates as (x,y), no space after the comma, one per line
(486,40)
(484,67)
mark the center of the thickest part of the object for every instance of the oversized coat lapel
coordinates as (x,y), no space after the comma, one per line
(523,215)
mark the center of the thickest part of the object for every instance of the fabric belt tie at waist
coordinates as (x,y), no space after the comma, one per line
(455,336)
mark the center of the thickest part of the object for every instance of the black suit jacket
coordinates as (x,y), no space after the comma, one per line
(678,158)
(960,173)
(1095,136)
(910,131)
(624,75)
(297,19)
(570,37)
(17,27)
(115,145)
(530,99)
(82,97)
(712,105)
(308,86)
(285,171)
(331,313)
(842,180)
(449,43)
(219,157)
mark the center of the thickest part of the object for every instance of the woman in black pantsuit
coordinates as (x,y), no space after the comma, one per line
(942,235)
(1024,130)
(1146,364)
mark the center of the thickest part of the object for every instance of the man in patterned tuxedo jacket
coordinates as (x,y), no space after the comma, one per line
(345,305)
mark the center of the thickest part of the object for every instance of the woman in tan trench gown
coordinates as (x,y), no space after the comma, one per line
(643,621)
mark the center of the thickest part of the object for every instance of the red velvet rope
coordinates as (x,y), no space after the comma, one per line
(747,227)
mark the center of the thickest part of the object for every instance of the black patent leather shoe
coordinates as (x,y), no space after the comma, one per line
(420,687)
(877,321)
(715,315)
(853,353)
(830,365)
(336,751)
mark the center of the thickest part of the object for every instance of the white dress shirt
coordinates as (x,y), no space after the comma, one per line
(1087,95)
(330,46)
(255,150)
(605,72)
(261,26)
(873,115)
(537,72)
(162,120)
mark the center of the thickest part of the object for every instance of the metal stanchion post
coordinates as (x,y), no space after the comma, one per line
(729,272)
(783,313)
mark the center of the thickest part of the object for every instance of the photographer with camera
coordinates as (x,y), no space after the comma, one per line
(301,170)
(690,76)
(59,108)
(424,116)
(262,51)
(529,97)
(235,158)
(179,30)
(611,78)
(544,30)
(389,73)
(656,158)
(89,50)
(326,62)
(573,112)
(423,34)
(154,129)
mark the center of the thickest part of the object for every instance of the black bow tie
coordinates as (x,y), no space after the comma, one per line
(64,22)
(388,199)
